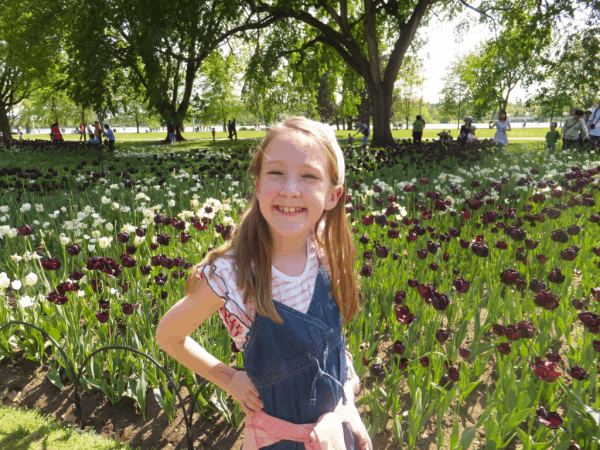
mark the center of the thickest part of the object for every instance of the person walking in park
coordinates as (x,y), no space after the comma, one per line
(594,126)
(111,137)
(81,131)
(284,284)
(466,130)
(234,129)
(362,128)
(502,126)
(214,133)
(552,137)
(229,128)
(571,129)
(587,120)
(97,131)
(171,131)
(418,127)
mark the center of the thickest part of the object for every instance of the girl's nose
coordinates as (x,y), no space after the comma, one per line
(290,186)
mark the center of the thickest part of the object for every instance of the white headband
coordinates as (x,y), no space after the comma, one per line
(337,149)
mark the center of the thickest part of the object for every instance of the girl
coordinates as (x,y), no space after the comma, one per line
(282,285)
(466,130)
(503,125)
(418,126)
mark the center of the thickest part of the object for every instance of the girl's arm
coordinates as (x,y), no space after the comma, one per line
(172,335)
(492,125)
(509,128)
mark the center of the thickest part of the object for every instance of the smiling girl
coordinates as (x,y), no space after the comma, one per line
(283,286)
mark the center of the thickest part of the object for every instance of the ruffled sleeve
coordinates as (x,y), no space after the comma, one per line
(223,281)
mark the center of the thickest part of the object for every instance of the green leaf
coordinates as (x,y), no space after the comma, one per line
(454,435)
(53,332)
(54,376)
(467,437)
(517,419)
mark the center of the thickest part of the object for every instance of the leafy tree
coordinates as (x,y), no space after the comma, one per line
(29,45)
(407,98)
(457,98)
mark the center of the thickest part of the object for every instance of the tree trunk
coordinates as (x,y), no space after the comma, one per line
(381,101)
(350,123)
(178,136)
(4,122)
(137,123)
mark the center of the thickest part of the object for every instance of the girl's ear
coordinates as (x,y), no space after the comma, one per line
(334,195)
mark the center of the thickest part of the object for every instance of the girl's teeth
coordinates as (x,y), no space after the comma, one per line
(290,210)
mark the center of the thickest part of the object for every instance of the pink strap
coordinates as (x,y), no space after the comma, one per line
(325,434)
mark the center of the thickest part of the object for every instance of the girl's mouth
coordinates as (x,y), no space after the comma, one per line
(289,211)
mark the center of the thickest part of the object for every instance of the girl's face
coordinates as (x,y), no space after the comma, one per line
(294,187)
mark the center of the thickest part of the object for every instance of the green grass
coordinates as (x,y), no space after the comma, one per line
(22,429)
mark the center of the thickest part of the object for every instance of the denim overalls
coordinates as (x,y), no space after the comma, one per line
(299,367)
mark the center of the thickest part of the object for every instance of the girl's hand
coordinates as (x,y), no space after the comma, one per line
(244,392)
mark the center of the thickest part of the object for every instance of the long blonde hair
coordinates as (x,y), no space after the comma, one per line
(253,245)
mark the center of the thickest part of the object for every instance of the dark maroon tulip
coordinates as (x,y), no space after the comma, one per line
(559,236)
(164,295)
(158,260)
(553,213)
(446,257)
(573,230)
(550,419)
(453,374)
(131,249)
(432,247)
(57,298)
(455,271)
(399,347)
(403,315)
(504,348)
(128,261)
(461,285)
(568,254)
(184,237)
(498,329)
(426,292)
(364,239)
(590,320)
(76,275)
(73,250)
(96,284)
(596,346)
(464,243)
(526,329)
(163,239)
(440,301)
(442,335)
(140,232)
(596,251)
(531,244)
(480,250)
(518,235)
(145,270)
(395,256)
(595,292)
(475,183)
(368,255)
(538,198)
(577,304)
(512,332)
(159,218)
(509,276)
(179,261)
(413,283)
(424,361)
(153,246)
(536,285)
(464,352)
(127,308)
(433,266)
(501,245)
(377,369)
(422,254)
(104,304)
(453,232)
(25,230)
(556,276)
(123,237)
(544,370)
(578,373)
(489,216)
(102,316)
(546,300)
(553,356)
(365,361)
(399,297)
(393,234)
(51,264)
(411,236)
(541,258)
(368,220)
(366,271)
(556,193)
(107,265)
(382,251)
(160,279)
(402,363)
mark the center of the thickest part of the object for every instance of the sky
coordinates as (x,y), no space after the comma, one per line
(443,48)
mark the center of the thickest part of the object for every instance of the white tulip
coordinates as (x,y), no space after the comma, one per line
(91,247)
(16,285)
(64,240)
(31,279)
(26,301)
(12,233)
(104,242)
(4,280)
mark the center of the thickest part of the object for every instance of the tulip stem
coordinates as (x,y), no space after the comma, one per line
(537,400)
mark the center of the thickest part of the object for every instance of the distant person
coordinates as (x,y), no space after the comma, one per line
(587,120)
(234,129)
(524,124)
(418,127)
(171,131)
(81,131)
(552,137)
(466,130)
(20,135)
(350,139)
(97,132)
(502,126)
(123,128)
(571,129)
(594,126)
(111,137)
(214,133)
(362,128)
(229,129)
(55,133)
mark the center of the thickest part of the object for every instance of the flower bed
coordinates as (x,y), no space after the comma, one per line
(469,262)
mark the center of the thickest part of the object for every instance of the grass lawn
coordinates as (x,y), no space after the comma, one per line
(22,429)
(255,136)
